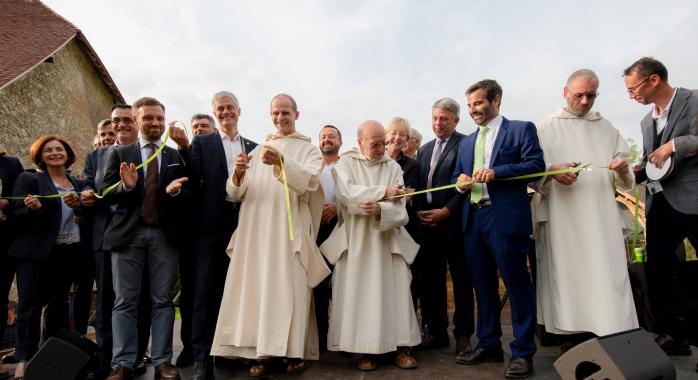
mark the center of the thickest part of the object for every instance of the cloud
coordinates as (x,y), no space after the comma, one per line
(348,61)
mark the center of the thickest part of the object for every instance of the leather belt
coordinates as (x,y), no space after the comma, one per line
(483,203)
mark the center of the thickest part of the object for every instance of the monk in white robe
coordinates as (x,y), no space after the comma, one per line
(268,298)
(372,311)
(582,279)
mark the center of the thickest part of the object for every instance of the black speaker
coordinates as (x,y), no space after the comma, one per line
(62,357)
(628,355)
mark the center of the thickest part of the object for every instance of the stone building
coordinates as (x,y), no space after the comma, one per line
(51,81)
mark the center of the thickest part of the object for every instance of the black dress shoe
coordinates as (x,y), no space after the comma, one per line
(673,346)
(432,342)
(481,355)
(185,359)
(518,368)
(203,370)
(463,345)
(140,368)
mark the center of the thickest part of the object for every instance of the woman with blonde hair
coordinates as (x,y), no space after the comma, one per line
(397,133)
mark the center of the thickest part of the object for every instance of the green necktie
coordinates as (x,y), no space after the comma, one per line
(476,192)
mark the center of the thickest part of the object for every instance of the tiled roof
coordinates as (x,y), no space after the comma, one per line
(30,32)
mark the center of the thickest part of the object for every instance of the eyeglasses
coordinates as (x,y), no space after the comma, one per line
(589,95)
(379,144)
(631,90)
(122,120)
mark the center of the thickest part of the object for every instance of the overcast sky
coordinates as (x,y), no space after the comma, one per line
(349,61)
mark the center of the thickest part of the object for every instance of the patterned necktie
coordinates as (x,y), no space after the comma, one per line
(477,191)
(150,197)
(432,166)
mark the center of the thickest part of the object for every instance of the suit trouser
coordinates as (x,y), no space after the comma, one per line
(43,282)
(322,293)
(7,273)
(211,269)
(440,253)
(187,272)
(103,304)
(486,250)
(82,301)
(147,251)
(666,229)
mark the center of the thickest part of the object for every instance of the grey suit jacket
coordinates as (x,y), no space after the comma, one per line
(681,186)
(95,167)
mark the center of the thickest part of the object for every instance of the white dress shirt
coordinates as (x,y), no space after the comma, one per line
(146,152)
(327,182)
(490,138)
(661,120)
(232,148)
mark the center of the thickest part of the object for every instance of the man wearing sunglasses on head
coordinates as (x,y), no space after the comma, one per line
(670,129)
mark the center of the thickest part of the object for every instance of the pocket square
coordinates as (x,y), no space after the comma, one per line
(171,165)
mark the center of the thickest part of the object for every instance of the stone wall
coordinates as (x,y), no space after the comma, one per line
(66,97)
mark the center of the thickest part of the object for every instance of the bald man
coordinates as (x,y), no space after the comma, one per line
(377,279)
(266,308)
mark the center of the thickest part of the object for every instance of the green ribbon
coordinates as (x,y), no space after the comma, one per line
(146,162)
(526,176)
(112,187)
(287,196)
(635,219)
(59,195)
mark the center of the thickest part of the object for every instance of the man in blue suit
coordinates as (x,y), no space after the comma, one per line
(496,223)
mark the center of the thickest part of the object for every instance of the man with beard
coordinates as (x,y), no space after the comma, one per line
(330,142)
(582,283)
(266,307)
(496,224)
(143,235)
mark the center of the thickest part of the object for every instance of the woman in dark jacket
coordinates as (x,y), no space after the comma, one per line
(47,244)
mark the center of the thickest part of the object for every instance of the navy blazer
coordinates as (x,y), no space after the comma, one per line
(95,167)
(37,231)
(442,176)
(516,152)
(10,169)
(127,216)
(209,175)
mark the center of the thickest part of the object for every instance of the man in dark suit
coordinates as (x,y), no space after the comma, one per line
(496,223)
(10,169)
(669,130)
(98,214)
(212,160)
(439,216)
(201,124)
(143,235)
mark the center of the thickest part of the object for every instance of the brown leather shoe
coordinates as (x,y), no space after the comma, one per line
(166,371)
(463,345)
(368,363)
(672,346)
(404,360)
(120,373)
